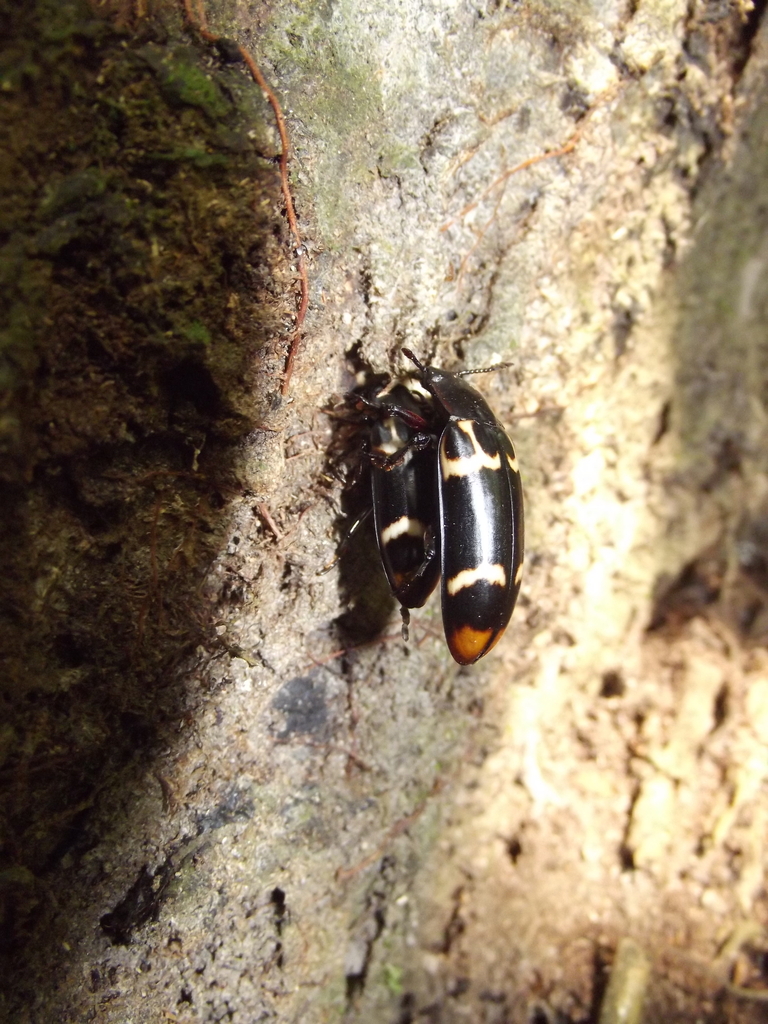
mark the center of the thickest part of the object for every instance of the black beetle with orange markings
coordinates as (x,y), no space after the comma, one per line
(448,502)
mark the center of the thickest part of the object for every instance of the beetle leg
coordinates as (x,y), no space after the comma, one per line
(416,580)
(418,443)
(380,408)
(413,420)
(344,541)
(406,621)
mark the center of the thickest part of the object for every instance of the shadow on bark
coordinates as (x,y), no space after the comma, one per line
(139,265)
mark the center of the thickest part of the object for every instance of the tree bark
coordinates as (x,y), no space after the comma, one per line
(231,791)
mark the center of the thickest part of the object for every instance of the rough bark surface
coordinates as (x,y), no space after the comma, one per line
(231,791)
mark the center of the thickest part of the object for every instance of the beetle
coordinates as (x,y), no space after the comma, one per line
(477,522)
(404,492)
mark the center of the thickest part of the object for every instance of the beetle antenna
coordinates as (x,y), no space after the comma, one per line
(407,352)
(483,369)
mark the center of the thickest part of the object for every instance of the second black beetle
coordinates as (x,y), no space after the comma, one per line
(454,465)
(404,494)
